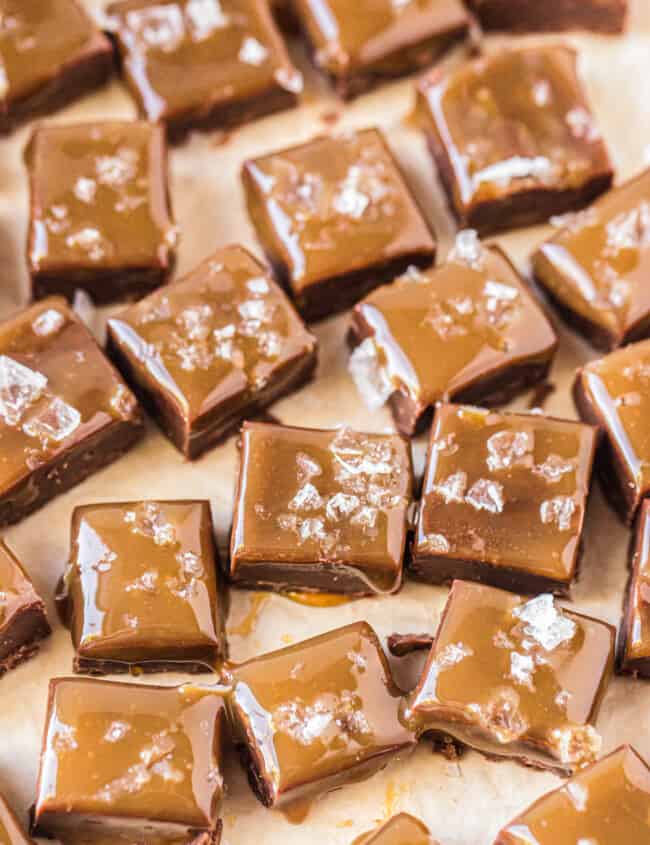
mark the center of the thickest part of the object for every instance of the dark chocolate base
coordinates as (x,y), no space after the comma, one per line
(103,286)
(400,645)
(22,636)
(306,577)
(87,666)
(552,15)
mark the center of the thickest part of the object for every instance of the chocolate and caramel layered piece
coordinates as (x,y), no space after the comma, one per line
(607,803)
(336,219)
(402,829)
(64,410)
(614,394)
(504,500)
(142,589)
(203,64)
(11,832)
(515,677)
(363,44)
(100,217)
(514,138)
(468,330)
(634,637)
(23,620)
(221,343)
(321,510)
(130,758)
(595,269)
(51,52)
(316,715)
(605,16)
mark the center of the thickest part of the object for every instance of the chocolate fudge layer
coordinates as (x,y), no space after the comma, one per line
(606,16)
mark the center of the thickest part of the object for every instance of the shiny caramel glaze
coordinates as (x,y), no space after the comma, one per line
(17,592)
(402,829)
(321,510)
(506,125)
(606,16)
(467,330)
(120,757)
(142,585)
(515,677)
(634,639)
(11,832)
(184,59)
(210,347)
(606,804)
(504,499)
(317,714)
(614,393)
(596,267)
(332,208)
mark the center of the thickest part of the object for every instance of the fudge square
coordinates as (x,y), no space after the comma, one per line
(595,268)
(402,829)
(203,64)
(504,500)
(335,218)
(316,715)
(614,394)
(51,53)
(23,621)
(515,677)
(11,832)
(221,343)
(360,45)
(467,330)
(141,588)
(609,802)
(123,757)
(513,138)
(634,638)
(321,510)
(100,217)
(64,410)
(607,16)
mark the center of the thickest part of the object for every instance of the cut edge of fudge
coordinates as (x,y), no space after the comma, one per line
(608,18)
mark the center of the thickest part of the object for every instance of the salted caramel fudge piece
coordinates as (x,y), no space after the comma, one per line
(320,510)
(614,394)
(360,45)
(123,757)
(316,715)
(515,677)
(142,589)
(100,216)
(605,16)
(11,832)
(514,138)
(203,64)
(217,345)
(51,53)
(595,268)
(402,829)
(609,802)
(64,410)
(633,648)
(336,219)
(504,500)
(467,330)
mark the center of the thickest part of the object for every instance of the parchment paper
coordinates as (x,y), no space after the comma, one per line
(463,803)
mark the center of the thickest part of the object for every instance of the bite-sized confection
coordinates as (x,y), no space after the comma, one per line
(131,759)
(100,216)
(142,589)
(360,45)
(515,677)
(11,832)
(607,803)
(513,137)
(321,510)
(203,64)
(468,330)
(606,16)
(51,52)
(222,343)
(504,500)
(336,219)
(402,829)
(634,636)
(316,715)
(64,410)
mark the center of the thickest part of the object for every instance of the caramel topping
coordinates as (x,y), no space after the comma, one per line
(402,829)
(635,633)
(16,590)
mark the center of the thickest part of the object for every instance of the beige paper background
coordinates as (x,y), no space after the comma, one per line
(464,803)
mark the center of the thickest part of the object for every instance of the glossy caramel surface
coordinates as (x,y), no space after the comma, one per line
(402,829)
(635,631)
(130,753)
(182,58)
(506,490)
(318,713)
(142,582)
(309,498)
(16,589)
(333,206)
(515,677)
(56,389)
(99,198)
(607,803)
(11,832)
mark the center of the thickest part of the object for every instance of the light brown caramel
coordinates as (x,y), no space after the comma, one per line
(402,829)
